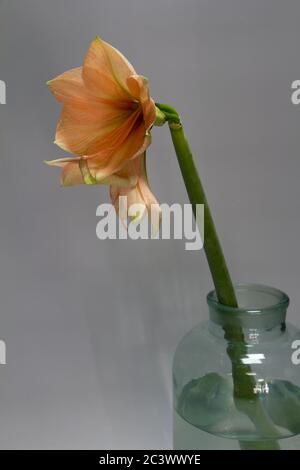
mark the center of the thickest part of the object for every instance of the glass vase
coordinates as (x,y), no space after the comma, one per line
(236,377)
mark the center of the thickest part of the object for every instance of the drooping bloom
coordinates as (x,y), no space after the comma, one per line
(107,111)
(105,124)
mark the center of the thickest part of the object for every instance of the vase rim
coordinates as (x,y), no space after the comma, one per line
(278,300)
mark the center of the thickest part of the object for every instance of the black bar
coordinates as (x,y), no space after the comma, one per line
(134,459)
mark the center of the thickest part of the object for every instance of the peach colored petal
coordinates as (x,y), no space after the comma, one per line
(77,171)
(69,87)
(133,197)
(71,174)
(138,87)
(109,163)
(84,118)
(105,71)
(61,162)
(83,132)
(140,194)
(149,113)
(149,199)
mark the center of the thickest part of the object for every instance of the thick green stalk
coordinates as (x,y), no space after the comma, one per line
(244,384)
(243,381)
(213,250)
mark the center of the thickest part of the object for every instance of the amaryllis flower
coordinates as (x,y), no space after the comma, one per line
(105,123)
(107,111)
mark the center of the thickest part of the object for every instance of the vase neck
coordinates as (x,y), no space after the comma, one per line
(261,313)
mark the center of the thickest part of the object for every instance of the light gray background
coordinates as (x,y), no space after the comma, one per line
(91,326)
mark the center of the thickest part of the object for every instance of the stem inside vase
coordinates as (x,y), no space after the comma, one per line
(244,383)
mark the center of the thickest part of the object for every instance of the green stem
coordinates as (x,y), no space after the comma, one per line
(243,387)
(213,250)
(244,383)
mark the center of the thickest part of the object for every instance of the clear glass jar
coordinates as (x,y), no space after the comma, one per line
(242,392)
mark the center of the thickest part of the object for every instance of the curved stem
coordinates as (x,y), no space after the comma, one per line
(213,250)
(243,381)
